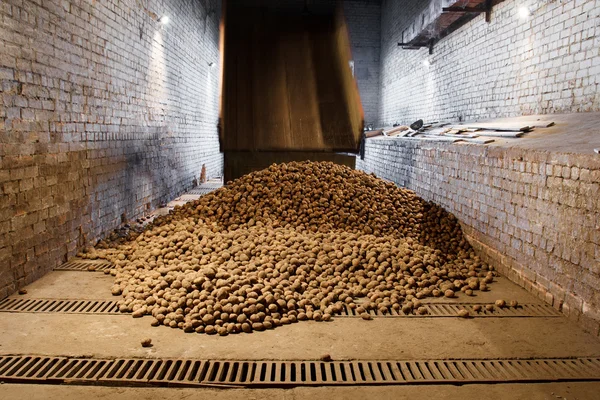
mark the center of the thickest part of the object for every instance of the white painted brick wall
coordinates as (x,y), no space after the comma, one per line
(102,111)
(549,63)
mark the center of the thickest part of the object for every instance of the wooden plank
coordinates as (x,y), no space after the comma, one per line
(395,130)
(301,85)
(479,140)
(333,110)
(453,139)
(351,93)
(495,126)
(370,134)
(433,138)
(286,82)
(500,134)
(462,135)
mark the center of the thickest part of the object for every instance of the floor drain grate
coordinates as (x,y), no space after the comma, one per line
(14,304)
(202,191)
(291,373)
(85,265)
(452,309)
(59,306)
(187,197)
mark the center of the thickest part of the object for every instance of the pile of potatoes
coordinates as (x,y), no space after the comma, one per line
(297,241)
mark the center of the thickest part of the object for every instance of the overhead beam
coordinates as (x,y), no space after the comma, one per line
(487,9)
(463,9)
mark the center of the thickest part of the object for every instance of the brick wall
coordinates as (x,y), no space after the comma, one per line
(533,214)
(548,63)
(104,111)
(364,27)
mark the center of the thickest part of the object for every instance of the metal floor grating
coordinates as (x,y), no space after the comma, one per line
(226,373)
(187,197)
(12,304)
(205,188)
(18,304)
(201,191)
(452,309)
(84,265)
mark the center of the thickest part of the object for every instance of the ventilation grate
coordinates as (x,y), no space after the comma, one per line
(224,373)
(84,265)
(12,304)
(452,309)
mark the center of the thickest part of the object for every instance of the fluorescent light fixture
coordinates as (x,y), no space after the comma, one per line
(524,12)
(164,20)
(426,63)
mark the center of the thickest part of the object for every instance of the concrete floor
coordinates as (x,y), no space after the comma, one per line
(112,336)
(118,336)
(572,133)
(537,391)
(381,339)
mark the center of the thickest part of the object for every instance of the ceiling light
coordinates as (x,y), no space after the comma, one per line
(164,20)
(524,12)
(426,63)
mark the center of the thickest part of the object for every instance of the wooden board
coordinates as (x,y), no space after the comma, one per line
(479,140)
(370,134)
(453,139)
(432,138)
(461,135)
(495,126)
(500,134)
(286,82)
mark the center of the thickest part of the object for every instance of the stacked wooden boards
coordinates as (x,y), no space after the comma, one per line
(286,81)
(475,132)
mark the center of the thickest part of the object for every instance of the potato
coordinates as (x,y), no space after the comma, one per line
(116,290)
(294,242)
(500,303)
(463,313)
(258,326)
(514,303)
(210,329)
(146,342)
